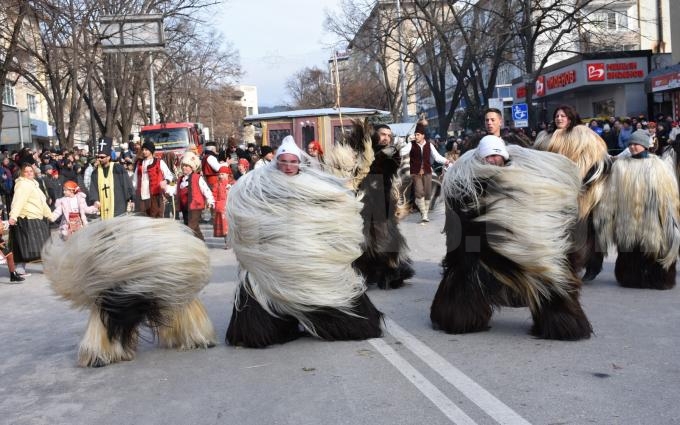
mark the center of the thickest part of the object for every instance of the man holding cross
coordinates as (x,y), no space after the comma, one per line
(110,188)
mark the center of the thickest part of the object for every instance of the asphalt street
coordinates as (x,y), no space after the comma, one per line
(627,373)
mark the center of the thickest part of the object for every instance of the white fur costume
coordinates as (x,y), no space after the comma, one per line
(295,238)
(132,270)
(640,214)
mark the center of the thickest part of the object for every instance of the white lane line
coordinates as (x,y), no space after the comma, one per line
(478,395)
(443,403)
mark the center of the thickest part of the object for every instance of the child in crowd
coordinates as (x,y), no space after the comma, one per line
(220,223)
(193,193)
(72,208)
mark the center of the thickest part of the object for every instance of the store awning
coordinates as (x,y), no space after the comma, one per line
(663,79)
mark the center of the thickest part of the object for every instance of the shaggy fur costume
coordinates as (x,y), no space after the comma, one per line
(583,146)
(671,157)
(373,171)
(508,240)
(385,258)
(639,214)
(295,238)
(128,271)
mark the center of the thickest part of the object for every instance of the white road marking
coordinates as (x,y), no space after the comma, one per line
(493,407)
(443,403)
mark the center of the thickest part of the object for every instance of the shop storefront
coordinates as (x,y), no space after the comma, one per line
(664,86)
(597,85)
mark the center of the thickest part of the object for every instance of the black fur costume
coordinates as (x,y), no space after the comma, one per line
(508,233)
(384,260)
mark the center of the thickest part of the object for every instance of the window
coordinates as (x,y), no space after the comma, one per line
(276,136)
(604,108)
(32,102)
(611,20)
(8,97)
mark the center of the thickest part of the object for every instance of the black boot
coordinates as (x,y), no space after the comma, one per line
(15,277)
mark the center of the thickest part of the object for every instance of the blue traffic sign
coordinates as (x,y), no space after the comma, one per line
(520,112)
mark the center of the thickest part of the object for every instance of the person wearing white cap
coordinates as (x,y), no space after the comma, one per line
(491,149)
(296,260)
(288,157)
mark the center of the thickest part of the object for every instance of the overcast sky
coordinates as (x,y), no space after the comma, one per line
(276,38)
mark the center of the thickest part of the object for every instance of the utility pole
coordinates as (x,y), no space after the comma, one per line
(402,72)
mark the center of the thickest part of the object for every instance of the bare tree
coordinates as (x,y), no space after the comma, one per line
(369,29)
(311,88)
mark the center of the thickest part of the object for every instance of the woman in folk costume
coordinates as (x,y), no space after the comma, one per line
(295,233)
(72,208)
(110,188)
(193,193)
(515,210)
(29,218)
(129,271)
(583,146)
(220,222)
(639,213)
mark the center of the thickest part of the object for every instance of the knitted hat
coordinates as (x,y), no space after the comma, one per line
(192,160)
(492,145)
(244,162)
(640,137)
(148,144)
(72,186)
(420,128)
(225,169)
(211,147)
(288,145)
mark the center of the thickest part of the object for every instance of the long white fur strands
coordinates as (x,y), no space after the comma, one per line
(534,198)
(140,255)
(583,146)
(641,207)
(295,238)
(342,160)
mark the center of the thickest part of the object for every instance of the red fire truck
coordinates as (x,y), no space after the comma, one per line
(173,137)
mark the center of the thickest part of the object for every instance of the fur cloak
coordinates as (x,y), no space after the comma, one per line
(384,259)
(507,241)
(127,271)
(295,238)
(639,213)
(583,146)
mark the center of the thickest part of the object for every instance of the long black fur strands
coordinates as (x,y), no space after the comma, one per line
(384,260)
(499,253)
(637,269)
(122,313)
(251,326)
